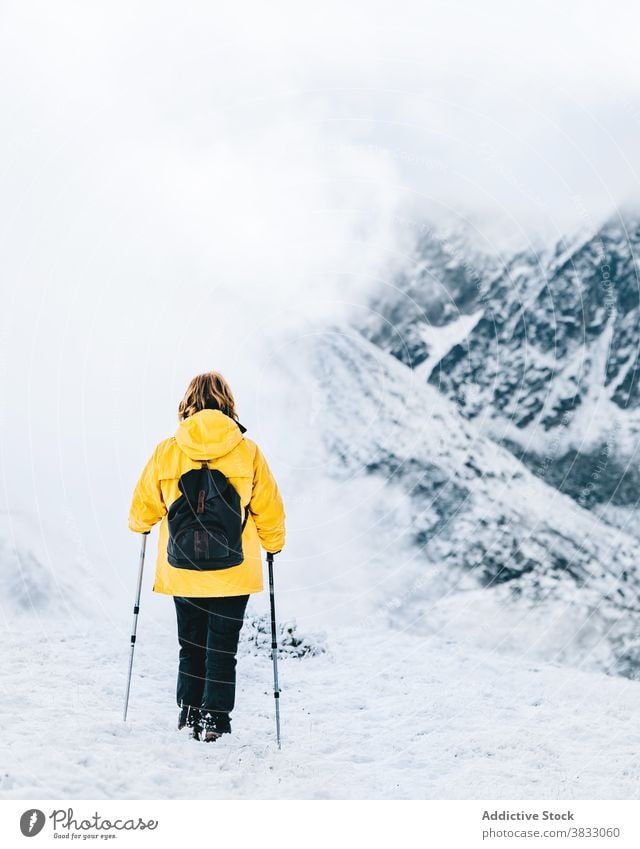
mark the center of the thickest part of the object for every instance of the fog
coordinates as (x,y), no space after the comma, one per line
(184,187)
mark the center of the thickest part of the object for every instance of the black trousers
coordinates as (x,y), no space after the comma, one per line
(208,633)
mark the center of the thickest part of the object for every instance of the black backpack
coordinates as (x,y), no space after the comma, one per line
(206,522)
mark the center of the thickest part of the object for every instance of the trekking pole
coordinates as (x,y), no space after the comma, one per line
(134,628)
(274,647)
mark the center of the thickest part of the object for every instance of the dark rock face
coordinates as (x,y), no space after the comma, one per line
(552,368)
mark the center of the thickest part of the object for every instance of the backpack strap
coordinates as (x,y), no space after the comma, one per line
(202,492)
(201,498)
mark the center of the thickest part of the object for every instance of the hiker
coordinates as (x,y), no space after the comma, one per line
(217,502)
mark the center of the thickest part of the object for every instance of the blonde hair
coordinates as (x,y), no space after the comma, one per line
(208,391)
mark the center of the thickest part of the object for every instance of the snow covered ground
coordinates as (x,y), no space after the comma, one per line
(381,715)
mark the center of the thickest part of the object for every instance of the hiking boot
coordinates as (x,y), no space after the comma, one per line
(214,725)
(190,718)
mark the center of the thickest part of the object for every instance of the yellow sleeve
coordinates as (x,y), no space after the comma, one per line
(266,506)
(147,506)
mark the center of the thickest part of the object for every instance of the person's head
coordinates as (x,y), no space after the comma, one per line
(209,391)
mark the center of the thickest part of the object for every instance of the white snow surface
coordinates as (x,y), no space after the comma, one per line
(383,715)
(441,339)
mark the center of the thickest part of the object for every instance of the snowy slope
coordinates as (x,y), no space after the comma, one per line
(551,368)
(554,361)
(385,715)
(496,554)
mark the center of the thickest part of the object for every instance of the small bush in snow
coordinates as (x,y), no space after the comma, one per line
(256,639)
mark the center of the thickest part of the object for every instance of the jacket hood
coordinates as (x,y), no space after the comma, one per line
(208,434)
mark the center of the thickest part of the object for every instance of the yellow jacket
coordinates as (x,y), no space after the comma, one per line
(210,435)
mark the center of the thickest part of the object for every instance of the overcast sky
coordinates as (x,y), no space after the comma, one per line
(181,183)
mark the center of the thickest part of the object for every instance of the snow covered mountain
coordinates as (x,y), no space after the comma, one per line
(435,302)
(469,540)
(542,350)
